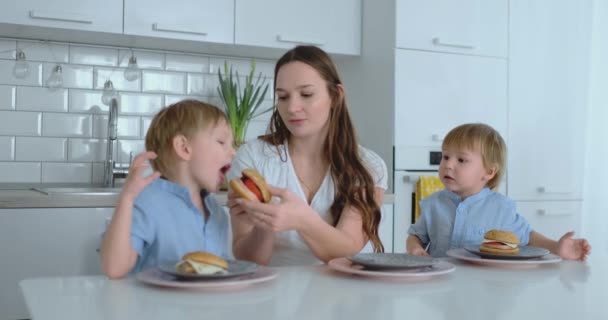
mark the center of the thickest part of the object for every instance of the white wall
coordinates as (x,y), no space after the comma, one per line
(595,212)
(59,136)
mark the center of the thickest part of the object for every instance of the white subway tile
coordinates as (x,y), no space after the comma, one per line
(98,169)
(34,78)
(266,104)
(211,83)
(145,125)
(66,172)
(128,127)
(87,101)
(67,125)
(7,97)
(20,123)
(7,49)
(100,56)
(116,75)
(140,103)
(87,150)
(164,82)
(171,99)
(19,172)
(216,101)
(40,149)
(45,51)
(145,59)
(73,76)
(127,146)
(196,84)
(187,63)
(255,129)
(242,66)
(42,99)
(7,148)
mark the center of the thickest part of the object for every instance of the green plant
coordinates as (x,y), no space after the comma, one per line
(241,101)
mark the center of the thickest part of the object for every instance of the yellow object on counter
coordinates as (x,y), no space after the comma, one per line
(426,186)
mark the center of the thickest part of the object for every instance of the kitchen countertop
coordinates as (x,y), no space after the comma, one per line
(22,196)
(567,290)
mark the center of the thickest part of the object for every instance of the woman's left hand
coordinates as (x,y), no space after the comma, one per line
(288,214)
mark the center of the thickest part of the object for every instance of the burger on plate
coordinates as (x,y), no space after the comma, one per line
(500,242)
(199,262)
(251,186)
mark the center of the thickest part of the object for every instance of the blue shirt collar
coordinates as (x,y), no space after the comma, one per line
(183,192)
(471,199)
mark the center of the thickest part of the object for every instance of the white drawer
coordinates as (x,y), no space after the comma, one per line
(552,218)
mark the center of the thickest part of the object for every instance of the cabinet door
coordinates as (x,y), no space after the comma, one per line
(477,27)
(548,81)
(46,243)
(552,218)
(202,20)
(103,16)
(434,92)
(335,26)
(405,183)
(385,230)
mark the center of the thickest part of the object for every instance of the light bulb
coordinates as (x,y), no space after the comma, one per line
(55,81)
(132,71)
(21,68)
(108,93)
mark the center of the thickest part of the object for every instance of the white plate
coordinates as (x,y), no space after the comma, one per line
(347,266)
(156,277)
(463,254)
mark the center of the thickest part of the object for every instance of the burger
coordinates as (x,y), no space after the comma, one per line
(199,262)
(500,242)
(251,186)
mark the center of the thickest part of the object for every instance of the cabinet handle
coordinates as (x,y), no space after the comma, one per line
(164,28)
(438,42)
(544,190)
(60,16)
(281,38)
(544,212)
(436,138)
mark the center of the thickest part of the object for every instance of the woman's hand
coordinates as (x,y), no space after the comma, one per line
(288,214)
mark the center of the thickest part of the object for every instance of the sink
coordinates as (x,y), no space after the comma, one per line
(78,191)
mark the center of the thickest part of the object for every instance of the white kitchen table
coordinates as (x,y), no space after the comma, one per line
(567,290)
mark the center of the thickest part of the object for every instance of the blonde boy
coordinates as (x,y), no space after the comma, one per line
(473,162)
(156,220)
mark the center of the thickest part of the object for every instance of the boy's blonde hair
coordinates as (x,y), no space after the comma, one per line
(483,138)
(187,118)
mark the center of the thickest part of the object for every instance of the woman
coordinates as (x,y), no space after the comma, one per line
(330,188)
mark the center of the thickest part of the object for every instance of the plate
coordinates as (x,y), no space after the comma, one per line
(525,252)
(235,268)
(156,277)
(463,254)
(438,268)
(388,261)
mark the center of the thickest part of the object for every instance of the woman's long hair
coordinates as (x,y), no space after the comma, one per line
(353,183)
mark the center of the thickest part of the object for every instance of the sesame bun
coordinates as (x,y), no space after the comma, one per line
(206,258)
(239,186)
(502,236)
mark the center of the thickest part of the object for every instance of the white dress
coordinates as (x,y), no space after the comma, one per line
(290,248)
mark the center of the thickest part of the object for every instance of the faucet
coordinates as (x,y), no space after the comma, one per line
(111,169)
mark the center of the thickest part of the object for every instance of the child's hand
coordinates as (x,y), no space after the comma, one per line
(136,182)
(573,249)
(419,252)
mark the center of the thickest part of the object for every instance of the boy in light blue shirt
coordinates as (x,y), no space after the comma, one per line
(473,161)
(157,220)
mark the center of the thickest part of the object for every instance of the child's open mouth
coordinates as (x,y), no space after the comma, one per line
(223,171)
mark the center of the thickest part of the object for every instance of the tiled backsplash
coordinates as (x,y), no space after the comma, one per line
(60,135)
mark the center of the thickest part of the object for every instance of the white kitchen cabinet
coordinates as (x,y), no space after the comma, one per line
(548,80)
(477,27)
(102,16)
(46,242)
(552,218)
(334,26)
(201,20)
(385,230)
(435,92)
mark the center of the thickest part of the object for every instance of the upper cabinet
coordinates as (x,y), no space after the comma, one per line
(102,16)
(196,20)
(335,26)
(477,27)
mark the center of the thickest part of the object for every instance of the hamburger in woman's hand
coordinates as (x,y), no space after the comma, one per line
(199,262)
(500,242)
(251,186)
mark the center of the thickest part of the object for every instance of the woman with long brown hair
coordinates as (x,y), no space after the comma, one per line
(330,188)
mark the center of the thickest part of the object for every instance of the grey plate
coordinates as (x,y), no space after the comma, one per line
(235,268)
(525,253)
(384,261)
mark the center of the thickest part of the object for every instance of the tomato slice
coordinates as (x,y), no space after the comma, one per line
(253,188)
